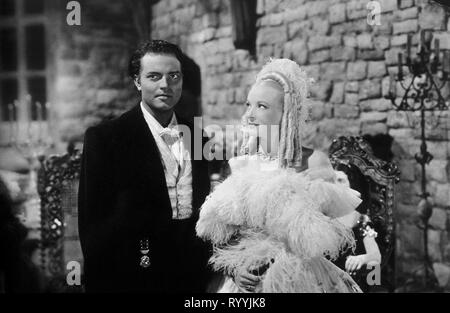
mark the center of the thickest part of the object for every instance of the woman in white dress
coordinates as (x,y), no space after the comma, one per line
(273,221)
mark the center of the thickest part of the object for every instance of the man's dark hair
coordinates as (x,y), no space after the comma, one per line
(152,46)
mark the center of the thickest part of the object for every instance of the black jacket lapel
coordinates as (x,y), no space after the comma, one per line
(146,159)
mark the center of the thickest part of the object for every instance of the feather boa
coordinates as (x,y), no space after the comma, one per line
(283,218)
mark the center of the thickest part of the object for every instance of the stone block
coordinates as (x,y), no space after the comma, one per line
(439,149)
(319,7)
(321,42)
(407,171)
(391,56)
(381,42)
(411,238)
(373,128)
(225,31)
(434,245)
(376,69)
(357,70)
(342,53)
(432,17)
(337,95)
(333,128)
(442,196)
(388,5)
(444,39)
(333,70)
(372,54)
(437,170)
(299,52)
(438,219)
(271,35)
(226,44)
(401,132)
(380,105)
(399,40)
(299,29)
(352,86)
(370,89)
(297,14)
(351,99)
(260,7)
(350,41)
(322,90)
(337,13)
(320,26)
(273,19)
(373,117)
(399,120)
(408,26)
(364,41)
(406,4)
(319,56)
(346,111)
(407,14)
(356,10)
(442,272)
(385,86)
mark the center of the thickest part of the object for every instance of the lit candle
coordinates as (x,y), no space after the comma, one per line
(11,121)
(39,119)
(16,114)
(38,111)
(30,117)
(400,72)
(15,133)
(46,112)
(47,117)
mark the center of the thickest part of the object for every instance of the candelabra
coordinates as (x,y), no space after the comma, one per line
(30,138)
(422,93)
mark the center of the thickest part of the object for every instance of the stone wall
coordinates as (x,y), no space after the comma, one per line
(351,61)
(91,61)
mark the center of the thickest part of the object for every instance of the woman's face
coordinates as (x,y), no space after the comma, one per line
(264,104)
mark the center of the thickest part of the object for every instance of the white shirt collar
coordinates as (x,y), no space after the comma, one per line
(154,125)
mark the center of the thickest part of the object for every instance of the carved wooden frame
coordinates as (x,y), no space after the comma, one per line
(55,173)
(381,176)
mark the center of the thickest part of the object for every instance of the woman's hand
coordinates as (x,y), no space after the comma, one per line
(246,282)
(355,262)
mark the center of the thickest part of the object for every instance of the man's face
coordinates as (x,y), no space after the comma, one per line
(160,81)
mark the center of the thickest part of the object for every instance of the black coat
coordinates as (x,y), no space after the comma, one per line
(123,198)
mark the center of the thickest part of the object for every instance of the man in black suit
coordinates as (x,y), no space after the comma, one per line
(140,193)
